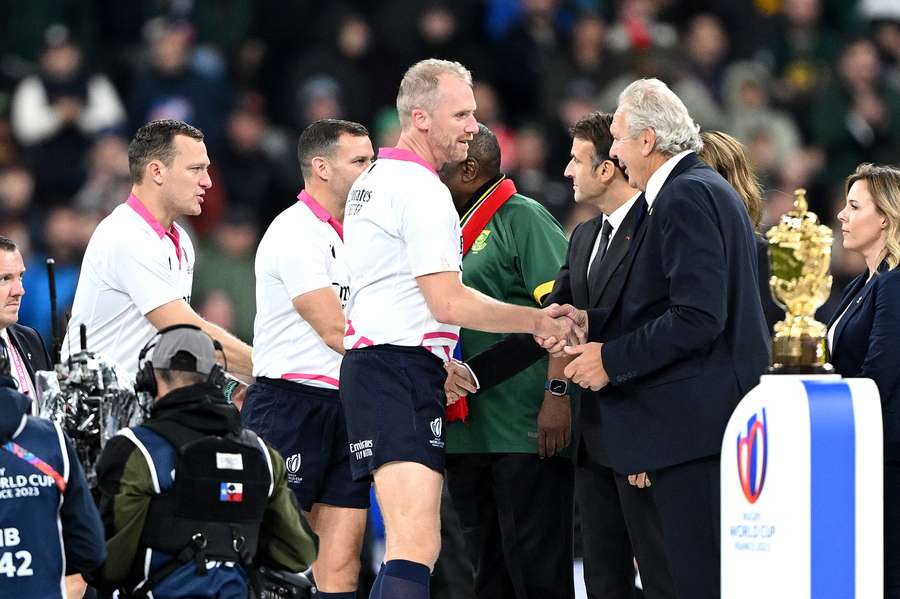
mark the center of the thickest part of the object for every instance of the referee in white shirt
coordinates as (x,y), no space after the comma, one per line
(298,340)
(137,271)
(407,302)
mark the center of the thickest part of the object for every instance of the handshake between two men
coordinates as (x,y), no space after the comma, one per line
(566,333)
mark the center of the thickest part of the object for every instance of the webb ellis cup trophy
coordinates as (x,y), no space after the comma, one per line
(807,523)
(800,254)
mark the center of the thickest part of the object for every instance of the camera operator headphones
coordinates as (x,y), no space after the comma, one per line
(144,379)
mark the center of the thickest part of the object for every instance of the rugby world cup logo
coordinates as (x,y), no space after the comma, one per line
(293,463)
(436,427)
(752,455)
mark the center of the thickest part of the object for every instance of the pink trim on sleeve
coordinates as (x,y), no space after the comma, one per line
(440,335)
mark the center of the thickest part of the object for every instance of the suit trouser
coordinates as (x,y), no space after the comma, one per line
(453,576)
(608,557)
(892,531)
(674,529)
(516,513)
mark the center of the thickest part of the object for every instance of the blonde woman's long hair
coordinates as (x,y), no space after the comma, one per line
(727,156)
(884,187)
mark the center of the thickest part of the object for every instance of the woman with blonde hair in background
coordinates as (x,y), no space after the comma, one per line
(864,334)
(727,156)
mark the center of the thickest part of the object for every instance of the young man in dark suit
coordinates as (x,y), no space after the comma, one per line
(27,351)
(684,342)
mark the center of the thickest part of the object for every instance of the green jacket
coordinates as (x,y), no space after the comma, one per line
(515,260)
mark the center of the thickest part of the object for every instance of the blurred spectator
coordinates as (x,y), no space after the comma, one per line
(17,231)
(319,97)
(800,52)
(218,309)
(386,130)
(22,25)
(523,55)
(9,151)
(257,166)
(771,136)
(857,118)
(57,111)
(531,173)
(171,87)
(886,34)
(575,101)
(338,77)
(109,181)
(16,192)
(65,236)
(586,59)
(225,271)
(439,33)
(490,113)
(655,62)
(706,48)
(638,27)
(222,24)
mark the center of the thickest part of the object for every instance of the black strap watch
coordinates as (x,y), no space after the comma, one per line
(557,387)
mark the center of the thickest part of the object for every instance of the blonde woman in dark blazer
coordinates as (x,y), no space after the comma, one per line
(864,334)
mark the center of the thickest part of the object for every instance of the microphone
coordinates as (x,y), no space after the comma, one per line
(54,318)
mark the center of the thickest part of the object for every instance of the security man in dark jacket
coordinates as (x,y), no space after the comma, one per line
(50,531)
(190,500)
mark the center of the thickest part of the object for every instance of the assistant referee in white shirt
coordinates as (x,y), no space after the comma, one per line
(298,339)
(138,268)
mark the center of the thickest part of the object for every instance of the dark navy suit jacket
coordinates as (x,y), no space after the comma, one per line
(867,343)
(31,347)
(687,337)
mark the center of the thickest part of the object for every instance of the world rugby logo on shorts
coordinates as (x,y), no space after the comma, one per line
(293,463)
(437,426)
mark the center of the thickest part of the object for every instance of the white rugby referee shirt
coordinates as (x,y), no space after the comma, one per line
(399,224)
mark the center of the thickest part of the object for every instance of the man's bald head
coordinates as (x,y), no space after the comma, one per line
(485,149)
(480,166)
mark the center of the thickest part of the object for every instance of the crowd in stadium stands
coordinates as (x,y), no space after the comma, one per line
(811,87)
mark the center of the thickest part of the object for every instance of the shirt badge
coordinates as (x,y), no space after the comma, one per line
(480,241)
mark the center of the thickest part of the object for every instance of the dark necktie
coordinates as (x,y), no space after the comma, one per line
(605,233)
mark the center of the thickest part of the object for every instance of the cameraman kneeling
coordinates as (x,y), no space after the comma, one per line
(191,500)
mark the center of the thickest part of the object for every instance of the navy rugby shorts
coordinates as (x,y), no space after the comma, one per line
(394,401)
(305,424)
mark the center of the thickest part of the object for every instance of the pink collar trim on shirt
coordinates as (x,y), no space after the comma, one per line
(135,204)
(402,154)
(322,214)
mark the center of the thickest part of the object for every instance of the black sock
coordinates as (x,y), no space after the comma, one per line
(403,579)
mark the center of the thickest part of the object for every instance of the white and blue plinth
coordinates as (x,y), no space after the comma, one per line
(802,500)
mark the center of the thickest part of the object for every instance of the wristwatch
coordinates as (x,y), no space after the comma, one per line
(557,387)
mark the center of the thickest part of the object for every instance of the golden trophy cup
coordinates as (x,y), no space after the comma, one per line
(800,255)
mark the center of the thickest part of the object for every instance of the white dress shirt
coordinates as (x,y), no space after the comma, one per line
(656,180)
(615,220)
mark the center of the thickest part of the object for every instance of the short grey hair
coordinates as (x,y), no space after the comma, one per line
(652,105)
(418,89)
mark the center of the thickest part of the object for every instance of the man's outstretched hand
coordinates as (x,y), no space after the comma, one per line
(569,327)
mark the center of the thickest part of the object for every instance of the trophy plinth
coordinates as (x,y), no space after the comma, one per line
(799,255)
